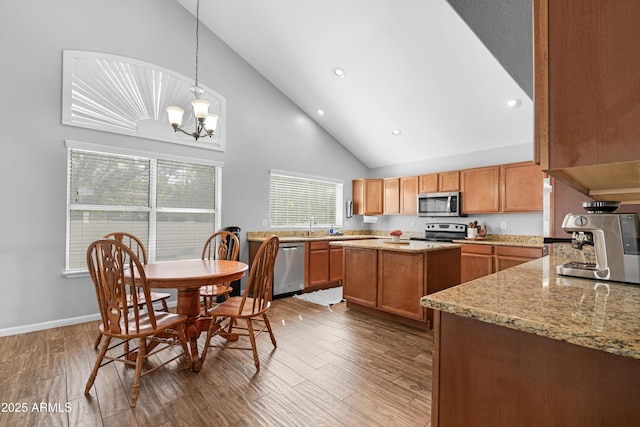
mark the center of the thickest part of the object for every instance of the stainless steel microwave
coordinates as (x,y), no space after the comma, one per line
(439,204)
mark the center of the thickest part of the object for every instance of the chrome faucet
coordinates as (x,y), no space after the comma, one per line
(311,222)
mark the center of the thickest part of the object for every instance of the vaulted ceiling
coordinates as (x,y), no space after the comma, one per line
(439,72)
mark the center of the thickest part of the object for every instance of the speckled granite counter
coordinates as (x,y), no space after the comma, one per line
(506,240)
(403,246)
(293,236)
(532,298)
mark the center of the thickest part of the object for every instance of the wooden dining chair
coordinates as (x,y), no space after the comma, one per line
(220,245)
(135,244)
(118,276)
(251,307)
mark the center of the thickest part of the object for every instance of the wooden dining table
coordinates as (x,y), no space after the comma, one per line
(187,276)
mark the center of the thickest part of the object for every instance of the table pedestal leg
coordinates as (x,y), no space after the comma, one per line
(189,304)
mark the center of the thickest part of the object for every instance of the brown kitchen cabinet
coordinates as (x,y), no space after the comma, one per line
(368,196)
(409,195)
(391,196)
(361,276)
(438,182)
(521,187)
(323,265)
(476,261)
(510,256)
(586,97)
(390,283)
(479,260)
(480,190)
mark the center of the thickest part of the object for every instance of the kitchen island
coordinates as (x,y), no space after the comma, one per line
(526,346)
(388,279)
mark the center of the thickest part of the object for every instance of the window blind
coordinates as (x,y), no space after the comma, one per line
(295,198)
(172,206)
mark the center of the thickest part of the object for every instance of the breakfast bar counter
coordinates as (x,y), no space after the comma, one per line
(526,346)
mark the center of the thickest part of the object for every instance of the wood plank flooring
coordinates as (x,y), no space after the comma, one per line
(333,367)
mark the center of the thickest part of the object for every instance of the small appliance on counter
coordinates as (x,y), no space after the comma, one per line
(615,239)
(443,232)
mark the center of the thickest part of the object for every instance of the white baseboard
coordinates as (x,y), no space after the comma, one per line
(56,323)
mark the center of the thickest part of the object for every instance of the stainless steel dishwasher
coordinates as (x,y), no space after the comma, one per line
(288,274)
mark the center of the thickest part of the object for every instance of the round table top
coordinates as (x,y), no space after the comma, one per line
(192,272)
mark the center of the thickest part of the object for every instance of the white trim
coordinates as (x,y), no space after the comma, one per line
(56,323)
(100,148)
(305,176)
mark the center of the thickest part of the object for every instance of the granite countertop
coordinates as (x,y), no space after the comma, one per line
(402,246)
(532,298)
(506,240)
(284,237)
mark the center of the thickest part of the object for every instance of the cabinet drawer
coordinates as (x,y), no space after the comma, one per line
(477,249)
(518,251)
(318,246)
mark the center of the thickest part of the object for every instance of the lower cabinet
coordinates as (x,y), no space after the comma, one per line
(323,265)
(391,283)
(481,260)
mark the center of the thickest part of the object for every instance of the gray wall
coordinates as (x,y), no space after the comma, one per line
(264,130)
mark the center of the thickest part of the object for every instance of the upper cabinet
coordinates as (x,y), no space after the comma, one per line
(480,190)
(367,196)
(409,195)
(510,188)
(391,196)
(436,182)
(587,93)
(521,187)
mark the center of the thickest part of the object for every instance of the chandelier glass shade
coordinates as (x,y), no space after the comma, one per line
(205,123)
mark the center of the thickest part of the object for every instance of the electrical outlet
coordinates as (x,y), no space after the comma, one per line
(264,222)
(413,223)
(503,225)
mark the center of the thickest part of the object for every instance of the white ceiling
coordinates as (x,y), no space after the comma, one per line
(411,65)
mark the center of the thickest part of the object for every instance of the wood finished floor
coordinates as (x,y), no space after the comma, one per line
(333,367)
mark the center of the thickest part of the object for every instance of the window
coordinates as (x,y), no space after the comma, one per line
(295,198)
(172,204)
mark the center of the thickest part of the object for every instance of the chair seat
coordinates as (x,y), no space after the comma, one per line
(164,320)
(231,307)
(215,290)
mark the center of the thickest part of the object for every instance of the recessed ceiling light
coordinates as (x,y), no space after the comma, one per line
(320,112)
(339,72)
(513,103)
(396,132)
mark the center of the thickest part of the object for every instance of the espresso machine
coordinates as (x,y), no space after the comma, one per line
(615,239)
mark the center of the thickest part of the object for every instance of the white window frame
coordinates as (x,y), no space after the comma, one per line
(339,219)
(152,208)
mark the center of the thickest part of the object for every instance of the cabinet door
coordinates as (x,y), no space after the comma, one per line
(428,183)
(593,80)
(507,257)
(476,261)
(449,181)
(522,187)
(409,195)
(360,276)
(481,190)
(391,196)
(401,283)
(335,264)
(317,265)
(357,196)
(373,197)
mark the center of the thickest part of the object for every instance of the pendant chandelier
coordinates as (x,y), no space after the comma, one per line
(205,123)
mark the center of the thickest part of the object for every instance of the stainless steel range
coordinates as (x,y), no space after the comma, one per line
(443,232)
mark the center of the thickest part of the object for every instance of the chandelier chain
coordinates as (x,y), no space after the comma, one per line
(197,36)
